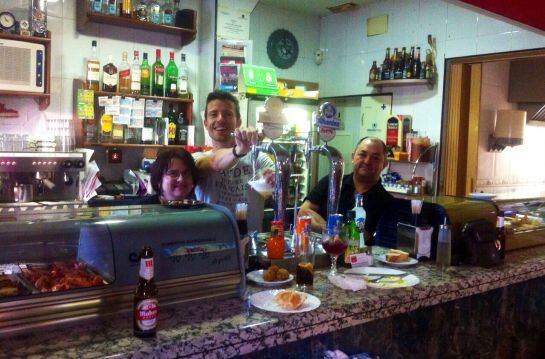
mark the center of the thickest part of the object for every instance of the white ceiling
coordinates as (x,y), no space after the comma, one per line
(315,7)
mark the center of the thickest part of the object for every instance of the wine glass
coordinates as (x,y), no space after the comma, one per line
(334,243)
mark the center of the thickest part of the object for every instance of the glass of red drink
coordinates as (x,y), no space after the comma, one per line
(334,243)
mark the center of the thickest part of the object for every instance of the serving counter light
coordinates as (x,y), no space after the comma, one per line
(509,130)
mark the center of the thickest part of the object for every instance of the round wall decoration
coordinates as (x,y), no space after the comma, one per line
(282,48)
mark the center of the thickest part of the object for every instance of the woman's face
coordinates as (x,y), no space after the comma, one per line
(177,181)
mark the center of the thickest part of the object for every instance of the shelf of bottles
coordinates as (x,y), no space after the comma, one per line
(156,16)
(405,68)
(43,99)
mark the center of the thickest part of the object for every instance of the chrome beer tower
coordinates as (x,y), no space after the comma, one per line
(327,124)
(273,121)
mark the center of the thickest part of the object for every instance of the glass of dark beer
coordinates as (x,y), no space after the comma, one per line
(304,250)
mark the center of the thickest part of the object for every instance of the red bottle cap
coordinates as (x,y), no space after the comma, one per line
(172,55)
(158,52)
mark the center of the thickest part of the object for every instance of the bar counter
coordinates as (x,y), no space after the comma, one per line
(230,327)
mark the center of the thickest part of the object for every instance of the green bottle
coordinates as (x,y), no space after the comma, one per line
(145,76)
(158,76)
(171,87)
(351,231)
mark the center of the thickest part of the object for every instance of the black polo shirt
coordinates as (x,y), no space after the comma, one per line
(375,201)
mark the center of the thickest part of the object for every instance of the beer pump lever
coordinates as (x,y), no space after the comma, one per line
(327,123)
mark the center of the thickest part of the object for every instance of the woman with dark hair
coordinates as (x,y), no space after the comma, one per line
(173,175)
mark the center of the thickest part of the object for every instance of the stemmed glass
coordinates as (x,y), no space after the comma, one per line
(334,243)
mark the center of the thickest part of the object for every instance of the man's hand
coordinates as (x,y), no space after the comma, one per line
(244,139)
(310,209)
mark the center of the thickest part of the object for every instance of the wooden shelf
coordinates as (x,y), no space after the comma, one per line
(141,145)
(187,35)
(163,98)
(43,99)
(404,82)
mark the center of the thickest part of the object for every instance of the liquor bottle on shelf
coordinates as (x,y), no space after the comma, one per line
(117,133)
(91,131)
(109,76)
(158,76)
(408,70)
(124,74)
(145,76)
(147,132)
(111,8)
(399,64)
(95,6)
(161,135)
(182,130)
(172,125)
(373,72)
(126,8)
(135,74)
(93,70)
(417,65)
(394,63)
(140,10)
(145,298)
(171,86)
(155,12)
(106,125)
(168,13)
(183,79)
(422,71)
(385,75)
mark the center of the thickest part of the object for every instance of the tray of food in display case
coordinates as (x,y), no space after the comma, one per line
(11,285)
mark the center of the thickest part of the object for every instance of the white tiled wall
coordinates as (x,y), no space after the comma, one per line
(509,172)
(306,29)
(460,30)
(70,48)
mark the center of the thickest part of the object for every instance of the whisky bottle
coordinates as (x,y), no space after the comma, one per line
(106,124)
(126,8)
(182,130)
(109,76)
(124,74)
(145,76)
(172,125)
(93,70)
(135,74)
(158,75)
(183,79)
(171,87)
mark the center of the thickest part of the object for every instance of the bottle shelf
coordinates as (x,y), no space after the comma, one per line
(141,145)
(187,35)
(35,39)
(157,98)
(402,82)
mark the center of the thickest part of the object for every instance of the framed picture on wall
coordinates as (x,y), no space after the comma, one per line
(230,54)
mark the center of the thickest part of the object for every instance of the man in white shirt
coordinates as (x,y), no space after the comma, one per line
(226,169)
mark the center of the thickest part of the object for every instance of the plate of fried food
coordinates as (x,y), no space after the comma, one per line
(284,301)
(397,258)
(272,277)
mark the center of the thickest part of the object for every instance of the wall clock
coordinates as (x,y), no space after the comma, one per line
(282,48)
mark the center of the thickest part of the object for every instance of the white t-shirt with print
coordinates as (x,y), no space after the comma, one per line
(229,187)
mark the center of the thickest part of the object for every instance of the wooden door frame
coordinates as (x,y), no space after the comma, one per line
(460,124)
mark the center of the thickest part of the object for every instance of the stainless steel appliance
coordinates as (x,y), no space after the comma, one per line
(79,264)
(36,176)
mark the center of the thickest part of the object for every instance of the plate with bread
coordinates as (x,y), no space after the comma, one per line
(397,258)
(274,276)
(284,301)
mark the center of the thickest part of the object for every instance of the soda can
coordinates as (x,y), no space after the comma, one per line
(335,223)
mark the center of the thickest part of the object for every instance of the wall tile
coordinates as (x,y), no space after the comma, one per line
(526,39)
(54,9)
(69,9)
(432,19)
(55,26)
(356,74)
(462,47)
(493,43)
(491,24)
(461,22)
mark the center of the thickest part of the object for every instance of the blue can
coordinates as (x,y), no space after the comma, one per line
(335,223)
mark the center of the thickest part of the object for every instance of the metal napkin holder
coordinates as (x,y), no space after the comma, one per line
(406,238)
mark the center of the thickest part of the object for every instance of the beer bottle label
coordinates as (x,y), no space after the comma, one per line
(146,268)
(146,314)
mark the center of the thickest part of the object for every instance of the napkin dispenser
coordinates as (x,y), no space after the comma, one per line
(478,244)
(407,239)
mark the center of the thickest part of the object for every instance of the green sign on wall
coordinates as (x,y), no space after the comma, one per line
(258,80)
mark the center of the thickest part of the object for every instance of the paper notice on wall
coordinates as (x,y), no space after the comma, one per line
(110,104)
(86,104)
(125,108)
(233,24)
(137,114)
(154,108)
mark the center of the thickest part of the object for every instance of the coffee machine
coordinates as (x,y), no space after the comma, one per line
(40,176)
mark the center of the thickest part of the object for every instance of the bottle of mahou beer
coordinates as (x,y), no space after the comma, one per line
(145,298)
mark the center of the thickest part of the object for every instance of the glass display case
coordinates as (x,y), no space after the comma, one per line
(524,222)
(58,266)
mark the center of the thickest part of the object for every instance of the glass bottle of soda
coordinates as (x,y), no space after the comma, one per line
(145,298)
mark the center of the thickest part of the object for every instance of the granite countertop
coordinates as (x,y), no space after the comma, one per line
(230,327)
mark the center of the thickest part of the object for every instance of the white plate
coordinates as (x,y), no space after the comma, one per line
(482,195)
(394,282)
(257,277)
(374,271)
(265,300)
(410,262)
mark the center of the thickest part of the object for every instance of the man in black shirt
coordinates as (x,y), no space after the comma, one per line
(368,160)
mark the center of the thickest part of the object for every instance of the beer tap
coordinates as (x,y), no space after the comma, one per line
(327,123)
(282,167)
